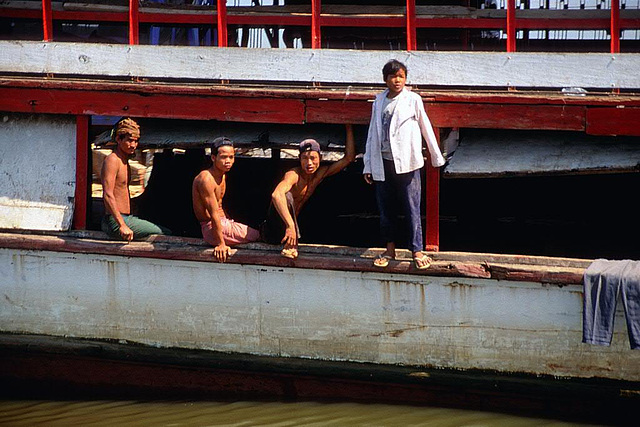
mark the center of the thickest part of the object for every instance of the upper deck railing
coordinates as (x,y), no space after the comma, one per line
(517,18)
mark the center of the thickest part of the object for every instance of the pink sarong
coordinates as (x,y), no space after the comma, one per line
(234,233)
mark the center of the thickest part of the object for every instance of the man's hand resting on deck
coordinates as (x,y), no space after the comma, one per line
(221,252)
(126,233)
(290,238)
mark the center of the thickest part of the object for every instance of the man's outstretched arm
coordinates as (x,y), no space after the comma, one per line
(349,153)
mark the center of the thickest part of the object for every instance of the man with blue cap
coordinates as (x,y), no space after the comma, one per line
(295,188)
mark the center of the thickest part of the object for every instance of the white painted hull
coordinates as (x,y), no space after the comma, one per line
(441,322)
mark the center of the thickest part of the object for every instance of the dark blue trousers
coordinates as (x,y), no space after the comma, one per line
(604,281)
(400,194)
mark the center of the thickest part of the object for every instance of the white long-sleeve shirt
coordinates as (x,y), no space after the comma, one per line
(408,125)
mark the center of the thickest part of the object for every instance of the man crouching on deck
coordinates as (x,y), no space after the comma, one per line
(294,190)
(207,192)
(118,221)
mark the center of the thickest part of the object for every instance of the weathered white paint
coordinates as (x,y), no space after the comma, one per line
(37,171)
(556,70)
(527,153)
(328,315)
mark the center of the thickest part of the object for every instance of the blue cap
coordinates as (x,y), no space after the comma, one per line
(309,145)
(222,141)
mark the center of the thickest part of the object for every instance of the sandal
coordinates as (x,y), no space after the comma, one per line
(422,262)
(291,253)
(382,261)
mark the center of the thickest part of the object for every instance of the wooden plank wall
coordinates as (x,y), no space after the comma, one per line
(457,69)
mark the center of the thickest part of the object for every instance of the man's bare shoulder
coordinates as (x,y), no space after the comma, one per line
(110,167)
(204,178)
(292,174)
(112,158)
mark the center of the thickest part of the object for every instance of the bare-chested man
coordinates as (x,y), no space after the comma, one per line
(118,221)
(207,192)
(294,190)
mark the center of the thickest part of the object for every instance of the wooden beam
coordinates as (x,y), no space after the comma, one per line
(466,69)
(329,93)
(542,117)
(260,110)
(275,108)
(357,259)
(432,215)
(82,173)
(330,111)
(598,116)
(613,121)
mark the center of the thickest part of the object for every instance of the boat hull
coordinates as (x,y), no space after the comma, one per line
(461,323)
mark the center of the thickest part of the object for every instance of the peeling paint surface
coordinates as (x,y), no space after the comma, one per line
(461,323)
(37,171)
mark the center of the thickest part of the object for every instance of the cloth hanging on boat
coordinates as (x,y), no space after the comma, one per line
(603,281)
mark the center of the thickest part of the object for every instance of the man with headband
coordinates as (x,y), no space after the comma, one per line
(207,192)
(118,221)
(297,185)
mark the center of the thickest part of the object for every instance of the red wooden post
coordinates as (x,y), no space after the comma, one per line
(511,25)
(222,23)
(47,21)
(432,226)
(316,39)
(615,26)
(82,173)
(134,37)
(412,43)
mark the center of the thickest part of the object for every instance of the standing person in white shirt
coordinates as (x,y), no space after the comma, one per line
(393,159)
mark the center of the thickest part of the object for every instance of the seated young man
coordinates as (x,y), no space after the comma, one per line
(297,185)
(118,221)
(207,192)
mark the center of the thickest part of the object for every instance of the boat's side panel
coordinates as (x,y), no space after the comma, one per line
(481,69)
(37,171)
(328,315)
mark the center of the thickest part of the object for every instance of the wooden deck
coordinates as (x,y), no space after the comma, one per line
(446,264)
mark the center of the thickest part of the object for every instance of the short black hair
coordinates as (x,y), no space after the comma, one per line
(220,141)
(392,67)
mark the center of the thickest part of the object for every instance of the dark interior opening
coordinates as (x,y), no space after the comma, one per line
(582,216)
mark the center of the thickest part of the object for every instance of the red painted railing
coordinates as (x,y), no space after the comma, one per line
(316,21)
(134,22)
(615,26)
(511,25)
(316,38)
(47,21)
(222,23)
(412,42)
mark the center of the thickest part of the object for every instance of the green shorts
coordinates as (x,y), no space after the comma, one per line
(140,227)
